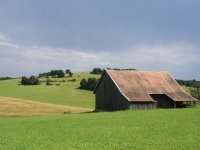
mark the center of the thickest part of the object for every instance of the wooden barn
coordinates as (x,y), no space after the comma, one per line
(130,89)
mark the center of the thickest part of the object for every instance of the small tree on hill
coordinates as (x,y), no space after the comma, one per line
(67,71)
(60,74)
(97,71)
(24,81)
(70,74)
(89,84)
(83,83)
(30,81)
(48,82)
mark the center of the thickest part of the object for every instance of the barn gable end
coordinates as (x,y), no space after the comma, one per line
(108,96)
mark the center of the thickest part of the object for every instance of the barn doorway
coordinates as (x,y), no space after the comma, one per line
(163,101)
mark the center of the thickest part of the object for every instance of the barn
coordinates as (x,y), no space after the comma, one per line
(130,89)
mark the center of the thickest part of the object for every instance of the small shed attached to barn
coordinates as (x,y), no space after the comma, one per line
(130,89)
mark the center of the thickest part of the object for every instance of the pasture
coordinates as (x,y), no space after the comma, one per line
(79,128)
(161,129)
(63,91)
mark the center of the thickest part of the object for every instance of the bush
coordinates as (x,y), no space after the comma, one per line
(5,78)
(73,80)
(83,84)
(67,71)
(45,74)
(195,92)
(70,74)
(97,71)
(89,84)
(60,74)
(30,81)
(48,82)
(189,83)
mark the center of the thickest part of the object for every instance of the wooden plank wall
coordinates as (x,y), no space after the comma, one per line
(108,97)
(142,105)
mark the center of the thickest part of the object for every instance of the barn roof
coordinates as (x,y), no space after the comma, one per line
(139,85)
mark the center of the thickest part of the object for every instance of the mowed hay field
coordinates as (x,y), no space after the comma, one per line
(18,107)
(160,129)
(67,93)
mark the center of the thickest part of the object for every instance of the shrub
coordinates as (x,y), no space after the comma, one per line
(70,74)
(67,71)
(30,81)
(73,80)
(195,92)
(5,78)
(48,82)
(97,71)
(60,74)
(83,84)
(189,83)
(89,84)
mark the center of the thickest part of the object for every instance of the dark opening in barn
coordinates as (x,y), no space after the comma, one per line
(162,100)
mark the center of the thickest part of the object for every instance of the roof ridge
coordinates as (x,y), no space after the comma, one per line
(139,71)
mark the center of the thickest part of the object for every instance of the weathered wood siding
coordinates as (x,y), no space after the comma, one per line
(142,105)
(108,96)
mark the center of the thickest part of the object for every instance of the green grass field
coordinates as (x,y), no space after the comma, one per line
(67,93)
(161,129)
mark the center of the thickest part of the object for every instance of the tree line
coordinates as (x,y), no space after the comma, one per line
(5,78)
(56,73)
(189,83)
(100,71)
(34,80)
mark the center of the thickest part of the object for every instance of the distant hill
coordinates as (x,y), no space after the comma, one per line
(17,107)
(63,91)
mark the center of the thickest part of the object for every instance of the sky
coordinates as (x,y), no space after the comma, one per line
(158,35)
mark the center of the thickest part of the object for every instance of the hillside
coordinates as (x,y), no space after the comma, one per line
(63,91)
(18,107)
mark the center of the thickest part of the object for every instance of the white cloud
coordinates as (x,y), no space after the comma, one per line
(8,44)
(177,54)
(4,41)
(19,60)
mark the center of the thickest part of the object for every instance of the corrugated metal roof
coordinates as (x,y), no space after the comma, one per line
(137,85)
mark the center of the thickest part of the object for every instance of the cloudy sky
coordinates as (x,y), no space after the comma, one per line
(40,35)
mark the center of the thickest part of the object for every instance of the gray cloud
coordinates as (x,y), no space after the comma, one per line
(21,60)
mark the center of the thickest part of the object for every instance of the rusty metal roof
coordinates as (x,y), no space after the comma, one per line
(137,85)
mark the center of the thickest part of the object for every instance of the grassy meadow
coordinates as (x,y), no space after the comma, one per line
(67,93)
(161,129)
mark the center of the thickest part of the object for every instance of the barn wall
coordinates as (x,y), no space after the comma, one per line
(142,105)
(108,96)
